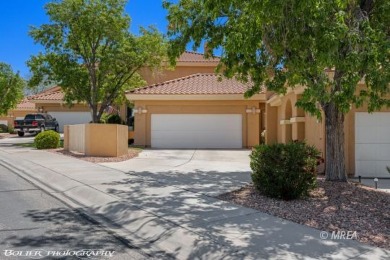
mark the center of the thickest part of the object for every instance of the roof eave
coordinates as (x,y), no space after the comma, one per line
(193,64)
(134,97)
(40,101)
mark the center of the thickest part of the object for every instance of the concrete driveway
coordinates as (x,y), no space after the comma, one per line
(210,172)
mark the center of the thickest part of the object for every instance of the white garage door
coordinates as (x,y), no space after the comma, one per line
(196,131)
(372,144)
(71,118)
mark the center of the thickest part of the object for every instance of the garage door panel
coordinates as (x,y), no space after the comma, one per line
(366,167)
(382,152)
(193,134)
(191,123)
(381,168)
(372,168)
(196,131)
(381,119)
(364,134)
(383,134)
(373,134)
(71,118)
(365,152)
(373,119)
(372,144)
(373,152)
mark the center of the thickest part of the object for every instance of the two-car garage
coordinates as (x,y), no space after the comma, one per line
(196,131)
(197,111)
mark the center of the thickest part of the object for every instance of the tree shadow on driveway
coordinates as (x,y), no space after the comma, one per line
(195,223)
(61,229)
(211,183)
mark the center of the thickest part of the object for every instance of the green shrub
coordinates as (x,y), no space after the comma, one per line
(114,119)
(111,119)
(284,171)
(47,140)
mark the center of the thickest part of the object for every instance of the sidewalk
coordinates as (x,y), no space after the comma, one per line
(182,223)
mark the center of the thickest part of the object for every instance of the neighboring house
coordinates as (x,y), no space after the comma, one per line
(52,102)
(22,109)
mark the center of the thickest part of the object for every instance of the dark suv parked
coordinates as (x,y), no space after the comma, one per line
(35,123)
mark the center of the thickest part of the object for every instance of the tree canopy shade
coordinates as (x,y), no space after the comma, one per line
(90,53)
(287,43)
(11,88)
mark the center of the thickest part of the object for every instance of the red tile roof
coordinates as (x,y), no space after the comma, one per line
(197,84)
(54,93)
(189,56)
(25,104)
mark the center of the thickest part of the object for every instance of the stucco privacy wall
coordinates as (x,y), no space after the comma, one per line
(74,138)
(251,125)
(96,139)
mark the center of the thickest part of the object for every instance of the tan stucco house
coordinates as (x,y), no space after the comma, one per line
(52,101)
(22,109)
(200,111)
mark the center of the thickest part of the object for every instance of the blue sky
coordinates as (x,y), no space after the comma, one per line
(18,15)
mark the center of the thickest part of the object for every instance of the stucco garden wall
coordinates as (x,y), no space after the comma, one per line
(105,140)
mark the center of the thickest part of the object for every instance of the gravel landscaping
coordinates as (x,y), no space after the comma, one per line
(133,152)
(332,206)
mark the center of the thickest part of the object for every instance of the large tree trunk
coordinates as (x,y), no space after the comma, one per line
(335,158)
(94,111)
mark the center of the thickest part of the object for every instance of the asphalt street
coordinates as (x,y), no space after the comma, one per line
(33,222)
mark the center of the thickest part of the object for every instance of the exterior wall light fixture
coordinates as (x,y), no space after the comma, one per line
(140,110)
(253,110)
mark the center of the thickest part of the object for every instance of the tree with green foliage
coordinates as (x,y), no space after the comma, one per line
(91,54)
(11,88)
(287,43)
